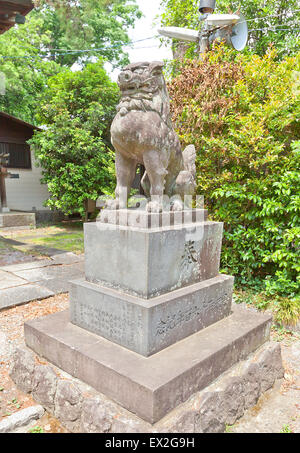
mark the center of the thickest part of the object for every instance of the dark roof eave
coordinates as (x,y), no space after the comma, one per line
(17,120)
(8,6)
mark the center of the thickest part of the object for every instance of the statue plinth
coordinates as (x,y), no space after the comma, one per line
(152,322)
(158,284)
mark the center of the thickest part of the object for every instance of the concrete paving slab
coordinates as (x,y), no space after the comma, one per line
(148,386)
(68,272)
(56,285)
(22,294)
(26,266)
(47,251)
(67,258)
(11,241)
(8,280)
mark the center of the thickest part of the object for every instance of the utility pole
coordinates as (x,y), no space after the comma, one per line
(206,7)
(231,28)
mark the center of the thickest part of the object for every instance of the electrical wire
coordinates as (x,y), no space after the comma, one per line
(266,17)
(61,52)
(255,18)
(278,29)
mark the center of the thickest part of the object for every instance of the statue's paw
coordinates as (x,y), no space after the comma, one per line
(112,204)
(154,206)
(177,205)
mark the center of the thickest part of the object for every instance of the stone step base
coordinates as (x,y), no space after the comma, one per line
(149,387)
(148,326)
(83,410)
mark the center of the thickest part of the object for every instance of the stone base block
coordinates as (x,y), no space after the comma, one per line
(148,326)
(150,262)
(149,387)
(81,409)
(16,220)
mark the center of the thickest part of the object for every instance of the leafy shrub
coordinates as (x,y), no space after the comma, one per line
(242,114)
(73,147)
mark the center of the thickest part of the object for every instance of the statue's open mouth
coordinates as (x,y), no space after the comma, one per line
(132,88)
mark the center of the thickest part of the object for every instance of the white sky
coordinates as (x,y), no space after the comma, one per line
(144,28)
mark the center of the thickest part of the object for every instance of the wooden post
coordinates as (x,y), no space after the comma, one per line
(3,175)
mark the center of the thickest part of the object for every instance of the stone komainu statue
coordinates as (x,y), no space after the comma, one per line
(142,132)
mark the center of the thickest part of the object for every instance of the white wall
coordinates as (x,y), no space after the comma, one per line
(26,193)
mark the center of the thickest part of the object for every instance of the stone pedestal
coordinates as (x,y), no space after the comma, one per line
(147,326)
(152,322)
(148,262)
(148,386)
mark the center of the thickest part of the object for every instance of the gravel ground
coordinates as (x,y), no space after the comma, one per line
(11,326)
(277,411)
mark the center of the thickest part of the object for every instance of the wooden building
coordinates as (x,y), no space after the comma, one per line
(12,12)
(26,193)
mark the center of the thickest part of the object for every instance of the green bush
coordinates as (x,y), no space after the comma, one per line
(74,148)
(242,114)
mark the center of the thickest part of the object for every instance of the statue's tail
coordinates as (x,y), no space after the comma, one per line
(189,160)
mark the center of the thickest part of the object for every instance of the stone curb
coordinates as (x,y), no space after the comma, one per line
(21,418)
(81,409)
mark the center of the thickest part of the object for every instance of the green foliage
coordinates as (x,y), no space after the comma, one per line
(100,24)
(25,78)
(36,430)
(73,146)
(286,429)
(185,14)
(287,311)
(242,114)
(28,56)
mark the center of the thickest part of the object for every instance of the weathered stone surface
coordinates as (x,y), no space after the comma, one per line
(123,425)
(25,266)
(151,262)
(22,369)
(140,218)
(270,364)
(68,404)
(22,294)
(66,258)
(8,280)
(142,132)
(147,327)
(58,285)
(95,417)
(204,411)
(17,219)
(252,384)
(233,399)
(150,387)
(44,386)
(21,418)
(187,421)
(212,413)
(51,272)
